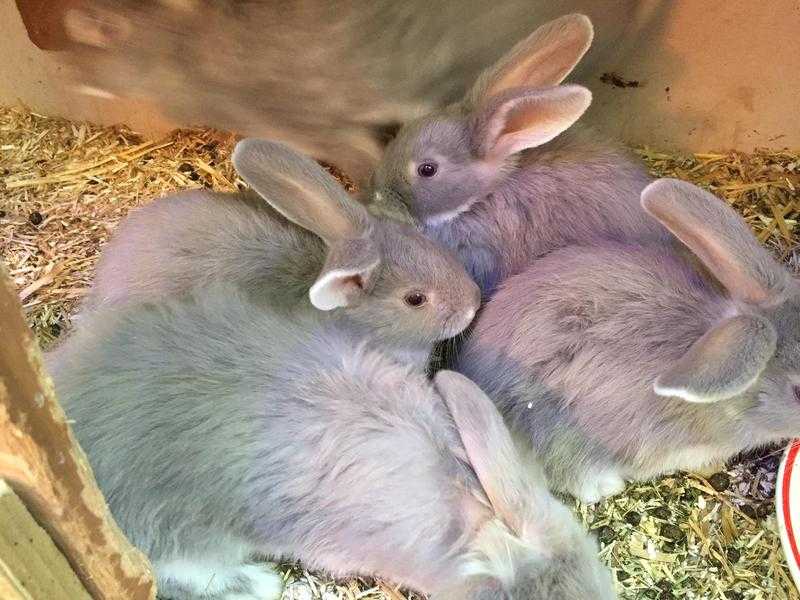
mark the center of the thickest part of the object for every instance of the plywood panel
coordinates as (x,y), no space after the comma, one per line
(713,74)
(29,561)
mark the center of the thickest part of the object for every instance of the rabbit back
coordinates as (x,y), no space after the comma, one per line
(577,189)
(569,350)
(194,239)
(209,420)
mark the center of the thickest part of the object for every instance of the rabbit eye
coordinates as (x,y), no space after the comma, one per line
(415,299)
(427,169)
(796,390)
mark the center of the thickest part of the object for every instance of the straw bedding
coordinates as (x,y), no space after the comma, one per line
(66,185)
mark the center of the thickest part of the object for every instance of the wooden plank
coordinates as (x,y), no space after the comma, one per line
(42,462)
(11,588)
(30,557)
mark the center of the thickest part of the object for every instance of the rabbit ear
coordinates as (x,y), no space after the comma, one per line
(300,189)
(723,363)
(306,194)
(487,442)
(543,59)
(718,236)
(347,275)
(527,118)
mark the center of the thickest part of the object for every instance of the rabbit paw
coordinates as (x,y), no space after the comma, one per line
(261,581)
(186,578)
(598,486)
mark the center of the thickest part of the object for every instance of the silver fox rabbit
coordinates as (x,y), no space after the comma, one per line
(217,430)
(489,178)
(312,236)
(625,361)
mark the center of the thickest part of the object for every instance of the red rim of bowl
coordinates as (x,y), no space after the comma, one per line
(790,546)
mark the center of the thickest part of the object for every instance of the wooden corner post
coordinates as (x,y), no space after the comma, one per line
(48,471)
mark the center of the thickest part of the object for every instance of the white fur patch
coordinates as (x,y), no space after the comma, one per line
(468,316)
(210,579)
(683,394)
(411,169)
(446,217)
(327,292)
(599,485)
(195,575)
(494,550)
(497,551)
(691,458)
(266,583)
(688,396)
(95,92)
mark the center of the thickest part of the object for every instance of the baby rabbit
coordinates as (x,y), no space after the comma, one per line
(625,360)
(218,430)
(489,179)
(314,240)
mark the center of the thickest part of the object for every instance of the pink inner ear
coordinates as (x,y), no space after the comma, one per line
(518,119)
(713,253)
(354,281)
(529,124)
(541,70)
(545,58)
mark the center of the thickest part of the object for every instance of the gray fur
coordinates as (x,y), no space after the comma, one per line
(328,77)
(572,348)
(191,240)
(723,363)
(217,429)
(500,212)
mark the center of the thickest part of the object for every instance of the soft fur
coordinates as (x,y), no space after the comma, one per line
(331,78)
(297,230)
(626,360)
(504,194)
(217,429)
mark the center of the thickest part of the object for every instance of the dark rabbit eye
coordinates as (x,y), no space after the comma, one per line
(796,390)
(415,299)
(427,169)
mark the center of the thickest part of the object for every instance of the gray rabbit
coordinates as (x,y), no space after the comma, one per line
(217,430)
(498,179)
(312,245)
(626,360)
(329,77)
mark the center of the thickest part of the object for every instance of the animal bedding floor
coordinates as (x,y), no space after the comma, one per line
(66,185)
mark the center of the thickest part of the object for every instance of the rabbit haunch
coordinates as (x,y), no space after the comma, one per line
(217,429)
(297,234)
(625,360)
(499,180)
